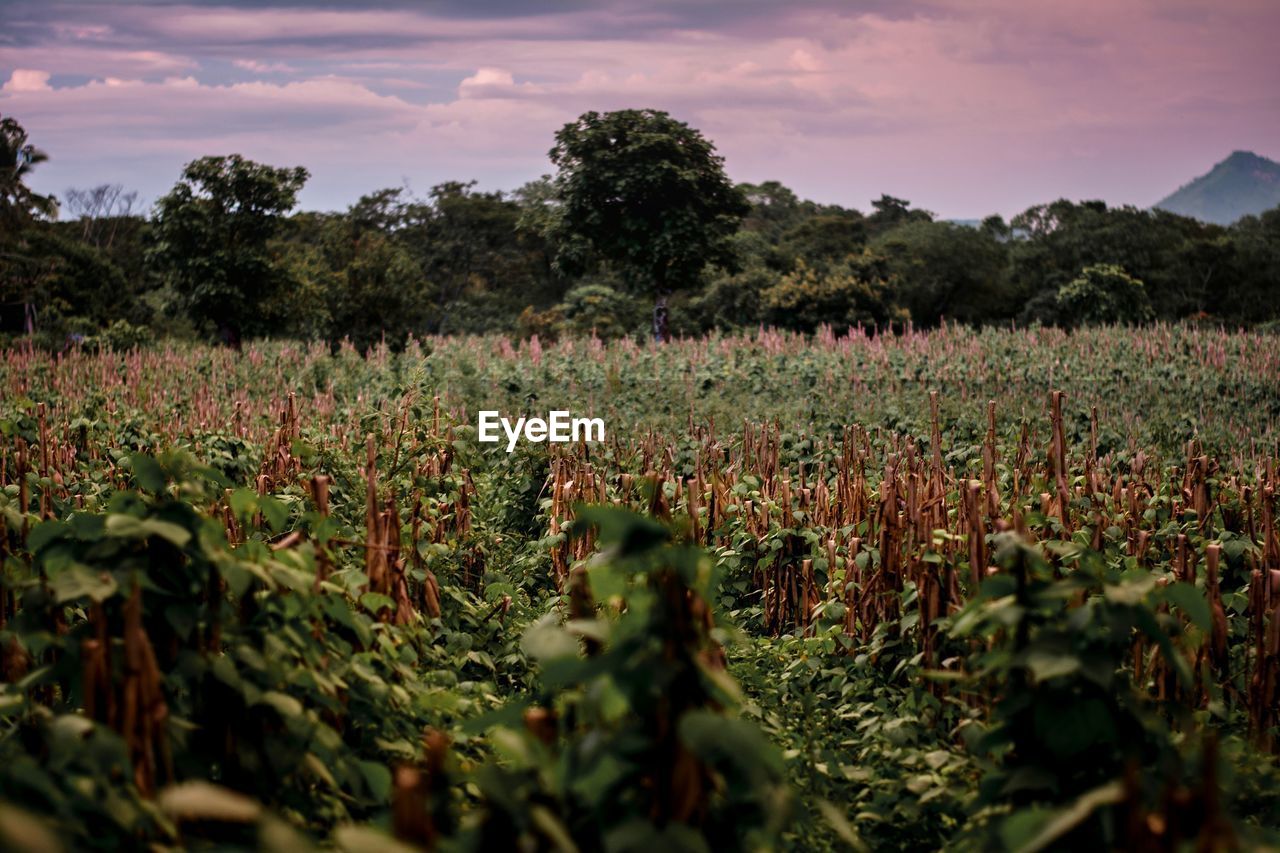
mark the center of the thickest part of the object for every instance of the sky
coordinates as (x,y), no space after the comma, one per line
(964,107)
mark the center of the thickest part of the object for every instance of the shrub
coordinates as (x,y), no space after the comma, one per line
(1103,293)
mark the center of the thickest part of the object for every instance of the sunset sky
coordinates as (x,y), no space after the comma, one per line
(965,107)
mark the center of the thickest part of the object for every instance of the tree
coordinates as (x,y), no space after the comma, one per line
(58,285)
(733,300)
(19,206)
(20,211)
(647,193)
(100,211)
(474,256)
(600,310)
(352,275)
(775,209)
(1103,294)
(1248,289)
(212,233)
(1052,242)
(823,240)
(948,270)
(858,291)
(891,212)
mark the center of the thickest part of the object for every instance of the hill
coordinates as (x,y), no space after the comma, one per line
(1242,184)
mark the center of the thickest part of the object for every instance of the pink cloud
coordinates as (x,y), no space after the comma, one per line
(965,108)
(27,80)
(94,61)
(263,67)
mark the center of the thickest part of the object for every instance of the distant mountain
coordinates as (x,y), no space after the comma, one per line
(1242,184)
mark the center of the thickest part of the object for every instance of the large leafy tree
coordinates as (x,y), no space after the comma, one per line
(212,233)
(951,271)
(776,209)
(351,275)
(1172,255)
(1103,293)
(394,265)
(822,241)
(1246,278)
(890,212)
(18,204)
(476,258)
(20,210)
(647,193)
(859,290)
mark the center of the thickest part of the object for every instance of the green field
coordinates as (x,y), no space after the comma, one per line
(972,589)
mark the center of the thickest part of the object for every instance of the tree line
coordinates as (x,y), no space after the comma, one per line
(638,231)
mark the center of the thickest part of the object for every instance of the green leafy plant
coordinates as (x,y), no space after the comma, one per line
(632,738)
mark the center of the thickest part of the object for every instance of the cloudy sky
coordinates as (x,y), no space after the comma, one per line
(965,107)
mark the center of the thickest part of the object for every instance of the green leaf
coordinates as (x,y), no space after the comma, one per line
(147,473)
(606,579)
(1070,728)
(45,532)
(363,839)
(835,818)
(244,502)
(24,832)
(378,779)
(1040,833)
(546,640)
(284,704)
(640,836)
(375,602)
(937,758)
(274,511)
(128,527)
(1190,601)
(717,738)
(200,800)
(622,530)
(82,582)
(1046,664)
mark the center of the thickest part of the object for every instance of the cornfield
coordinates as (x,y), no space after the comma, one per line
(1001,589)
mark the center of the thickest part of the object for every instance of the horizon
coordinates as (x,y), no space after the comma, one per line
(963,110)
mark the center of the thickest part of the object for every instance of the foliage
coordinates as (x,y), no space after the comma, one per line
(1054,242)
(733,300)
(279,686)
(392,266)
(945,271)
(827,640)
(636,743)
(890,213)
(1080,750)
(640,203)
(874,750)
(18,157)
(599,309)
(22,270)
(211,234)
(645,192)
(1250,258)
(77,288)
(855,293)
(822,241)
(1103,294)
(351,281)
(775,209)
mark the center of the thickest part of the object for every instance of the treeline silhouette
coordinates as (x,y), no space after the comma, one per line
(225,254)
